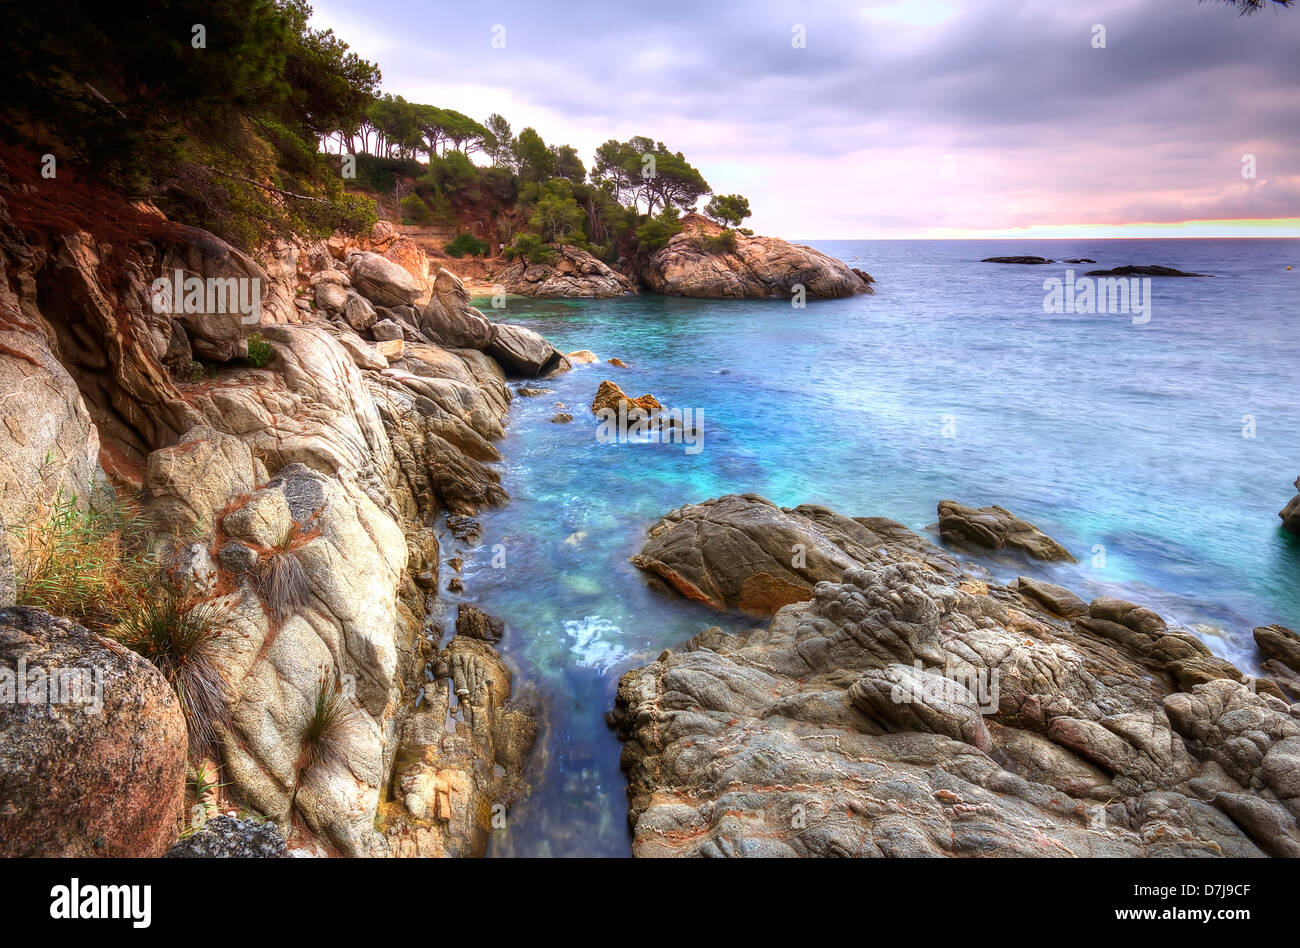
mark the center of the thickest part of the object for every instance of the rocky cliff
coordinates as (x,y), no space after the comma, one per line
(297,491)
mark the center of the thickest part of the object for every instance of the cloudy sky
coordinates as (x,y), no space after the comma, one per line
(898,118)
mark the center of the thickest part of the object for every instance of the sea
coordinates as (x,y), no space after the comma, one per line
(1158,446)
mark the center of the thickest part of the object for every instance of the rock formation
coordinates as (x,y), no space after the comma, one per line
(910,708)
(609,397)
(225,837)
(329,464)
(1290,514)
(996,528)
(758,267)
(573,274)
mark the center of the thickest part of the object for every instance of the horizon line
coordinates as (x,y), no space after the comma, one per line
(1273,228)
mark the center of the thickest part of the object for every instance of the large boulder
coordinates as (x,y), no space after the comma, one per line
(609,397)
(187,484)
(574,273)
(996,528)
(692,264)
(100,769)
(1290,514)
(448,319)
(217,336)
(48,442)
(522,351)
(382,281)
(742,551)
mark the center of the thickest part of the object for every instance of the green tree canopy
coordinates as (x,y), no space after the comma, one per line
(727,209)
(641,169)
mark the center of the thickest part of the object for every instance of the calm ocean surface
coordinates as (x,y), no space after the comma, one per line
(1122,441)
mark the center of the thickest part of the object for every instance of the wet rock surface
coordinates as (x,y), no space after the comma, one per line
(1290,514)
(996,528)
(1149,271)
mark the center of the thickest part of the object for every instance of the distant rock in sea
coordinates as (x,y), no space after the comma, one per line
(1154,271)
(1026,260)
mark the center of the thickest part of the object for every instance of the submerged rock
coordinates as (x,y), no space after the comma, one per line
(1150,271)
(996,528)
(92,759)
(910,710)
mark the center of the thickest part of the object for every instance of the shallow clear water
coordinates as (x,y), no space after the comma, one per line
(1105,433)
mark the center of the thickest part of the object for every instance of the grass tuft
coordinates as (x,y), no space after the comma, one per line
(79,560)
(332,722)
(177,634)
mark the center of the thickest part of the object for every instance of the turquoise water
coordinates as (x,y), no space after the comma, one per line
(1105,433)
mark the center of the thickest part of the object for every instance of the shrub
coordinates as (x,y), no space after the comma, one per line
(260,352)
(281,580)
(532,248)
(466,245)
(377,173)
(655,232)
(725,242)
(416,211)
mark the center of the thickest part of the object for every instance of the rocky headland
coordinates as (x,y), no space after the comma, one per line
(701,261)
(899,702)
